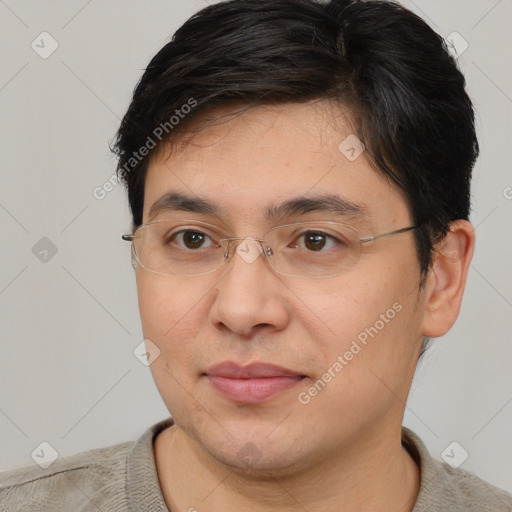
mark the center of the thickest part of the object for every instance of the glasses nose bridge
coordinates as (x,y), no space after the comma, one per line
(230,248)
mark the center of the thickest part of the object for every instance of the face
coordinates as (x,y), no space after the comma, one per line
(346,345)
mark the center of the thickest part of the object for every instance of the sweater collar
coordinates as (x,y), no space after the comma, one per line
(145,495)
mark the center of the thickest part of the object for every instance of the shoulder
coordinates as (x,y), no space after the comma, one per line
(71,483)
(462,489)
(446,488)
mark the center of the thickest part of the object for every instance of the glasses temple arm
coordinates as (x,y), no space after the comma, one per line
(396,232)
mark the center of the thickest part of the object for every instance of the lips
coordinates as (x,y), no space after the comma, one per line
(251,384)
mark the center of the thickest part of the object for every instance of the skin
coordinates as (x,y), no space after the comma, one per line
(341,451)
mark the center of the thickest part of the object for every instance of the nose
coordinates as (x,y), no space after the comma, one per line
(250,297)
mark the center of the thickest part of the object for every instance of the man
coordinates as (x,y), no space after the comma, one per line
(298,174)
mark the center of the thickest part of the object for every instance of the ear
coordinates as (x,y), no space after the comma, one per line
(446,279)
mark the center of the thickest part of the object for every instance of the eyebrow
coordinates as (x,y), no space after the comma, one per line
(329,203)
(174,201)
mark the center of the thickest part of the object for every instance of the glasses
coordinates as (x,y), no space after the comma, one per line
(303,249)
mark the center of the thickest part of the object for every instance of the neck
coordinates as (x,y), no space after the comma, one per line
(377,474)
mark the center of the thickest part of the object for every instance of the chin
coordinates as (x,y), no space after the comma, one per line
(253,452)
(249,460)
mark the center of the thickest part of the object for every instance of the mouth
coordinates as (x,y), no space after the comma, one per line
(251,384)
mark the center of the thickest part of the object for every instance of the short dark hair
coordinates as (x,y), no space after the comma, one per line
(381,61)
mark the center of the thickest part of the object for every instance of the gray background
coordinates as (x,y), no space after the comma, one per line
(70,324)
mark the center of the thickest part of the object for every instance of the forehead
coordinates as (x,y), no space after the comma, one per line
(248,163)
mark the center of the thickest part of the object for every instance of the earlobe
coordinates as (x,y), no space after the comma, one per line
(447,279)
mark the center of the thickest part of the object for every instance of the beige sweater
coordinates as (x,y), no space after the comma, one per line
(123,478)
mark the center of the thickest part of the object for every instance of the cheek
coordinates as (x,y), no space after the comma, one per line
(170,319)
(373,325)
(170,308)
(173,318)
(348,305)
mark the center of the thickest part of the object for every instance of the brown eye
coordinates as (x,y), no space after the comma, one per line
(317,241)
(191,239)
(314,241)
